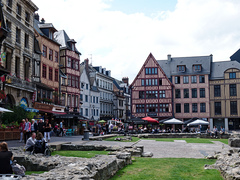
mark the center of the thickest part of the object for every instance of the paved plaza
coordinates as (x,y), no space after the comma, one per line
(160,149)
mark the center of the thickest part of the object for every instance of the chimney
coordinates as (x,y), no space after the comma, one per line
(169,57)
(86,64)
(125,80)
(42,21)
(36,16)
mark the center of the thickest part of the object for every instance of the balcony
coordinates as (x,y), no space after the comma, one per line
(18,83)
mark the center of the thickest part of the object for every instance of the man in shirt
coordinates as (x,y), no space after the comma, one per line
(31,142)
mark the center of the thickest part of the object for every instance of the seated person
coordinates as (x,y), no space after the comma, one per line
(40,144)
(214,132)
(5,158)
(222,131)
(30,142)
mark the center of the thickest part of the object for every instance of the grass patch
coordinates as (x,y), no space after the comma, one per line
(83,154)
(34,172)
(188,140)
(168,168)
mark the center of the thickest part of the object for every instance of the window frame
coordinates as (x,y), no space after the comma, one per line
(232,75)
(232,89)
(217,108)
(50,72)
(233,108)
(194,107)
(217,90)
(202,93)
(194,93)
(44,71)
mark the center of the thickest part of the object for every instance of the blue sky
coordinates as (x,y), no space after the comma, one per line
(120,34)
(148,7)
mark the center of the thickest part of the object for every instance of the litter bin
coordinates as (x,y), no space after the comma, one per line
(86,135)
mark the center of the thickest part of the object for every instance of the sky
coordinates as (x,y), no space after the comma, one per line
(120,34)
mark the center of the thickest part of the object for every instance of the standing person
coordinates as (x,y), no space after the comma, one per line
(61,128)
(47,130)
(27,130)
(34,126)
(21,128)
(5,158)
(40,126)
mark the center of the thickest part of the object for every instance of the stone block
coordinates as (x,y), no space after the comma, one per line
(234,142)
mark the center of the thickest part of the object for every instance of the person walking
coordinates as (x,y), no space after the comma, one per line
(27,130)
(47,130)
(61,128)
(21,128)
(40,126)
(34,126)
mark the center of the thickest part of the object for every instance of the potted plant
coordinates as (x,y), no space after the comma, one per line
(3,127)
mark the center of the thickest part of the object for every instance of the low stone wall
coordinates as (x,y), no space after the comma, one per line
(99,138)
(101,167)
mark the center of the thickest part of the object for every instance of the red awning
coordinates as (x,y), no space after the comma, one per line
(150,120)
(53,112)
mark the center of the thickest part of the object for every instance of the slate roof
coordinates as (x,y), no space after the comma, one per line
(218,68)
(236,56)
(62,38)
(170,67)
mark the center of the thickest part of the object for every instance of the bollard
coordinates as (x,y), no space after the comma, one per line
(86,135)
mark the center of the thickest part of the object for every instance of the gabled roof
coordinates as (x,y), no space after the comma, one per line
(63,39)
(159,66)
(236,56)
(218,68)
(170,66)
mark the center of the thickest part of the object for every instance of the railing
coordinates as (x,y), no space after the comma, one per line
(17,82)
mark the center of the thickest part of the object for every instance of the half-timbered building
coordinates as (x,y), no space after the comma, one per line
(151,92)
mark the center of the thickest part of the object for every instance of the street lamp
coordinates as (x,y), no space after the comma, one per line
(3,29)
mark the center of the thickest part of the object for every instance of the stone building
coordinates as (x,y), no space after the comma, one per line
(18,46)
(224,95)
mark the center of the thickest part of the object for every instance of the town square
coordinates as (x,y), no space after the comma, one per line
(116,89)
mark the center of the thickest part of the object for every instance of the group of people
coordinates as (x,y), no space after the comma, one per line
(26,128)
(36,142)
(214,133)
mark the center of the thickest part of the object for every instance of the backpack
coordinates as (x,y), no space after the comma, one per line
(18,169)
(38,146)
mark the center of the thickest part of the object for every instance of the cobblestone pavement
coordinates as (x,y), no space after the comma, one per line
(160,149)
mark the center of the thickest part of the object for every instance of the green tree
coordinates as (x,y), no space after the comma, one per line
(16,116)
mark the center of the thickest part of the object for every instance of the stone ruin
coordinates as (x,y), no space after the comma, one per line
(126,138)
(228,162)
(100,167)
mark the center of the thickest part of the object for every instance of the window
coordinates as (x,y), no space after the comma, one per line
(69,80)
(17,66)
(18,35)
(181,68)
(9,27)
(86,112)
(141,94)
(194,108)
(217,91)
(177,93)
(86,86)
(73,64)
(186,107)
(151,94)
(146,71)
(76,65)
(233,107)
(69,62)
(177,79)
(185,79)
(44,53)
(56,56)
(194,93)
(194,79)
(19,10)
(26,41)
(178,108)
(50,54)
(160,82)
(77,82)
(232,75)
(9,3)
(140,108)
(201,79)
(56,75)
(218,108)
(96,99)
(86,98)
(150,70)
(73,81)
(27,17)
(202,92)
(162,94)
(44,71)
(197,67)
(202,107)
(50,73)
(163,108)
(142,82)
(233,90)
(186,93)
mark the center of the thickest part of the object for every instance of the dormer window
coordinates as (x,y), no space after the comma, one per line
(73,47)
(50,35)
(197,67)
(181,68)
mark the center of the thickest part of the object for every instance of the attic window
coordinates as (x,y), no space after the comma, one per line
(197,67)
(73,47)
(181,68)
(50,35)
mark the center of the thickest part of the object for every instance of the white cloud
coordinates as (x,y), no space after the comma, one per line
(121,42)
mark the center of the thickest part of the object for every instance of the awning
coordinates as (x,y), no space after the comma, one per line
(150,120)
(31,109)
(53,112)
(71,116)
